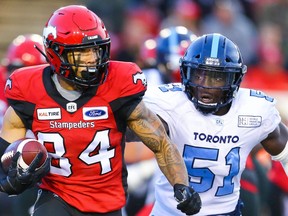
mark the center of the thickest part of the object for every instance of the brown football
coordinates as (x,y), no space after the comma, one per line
(28,148)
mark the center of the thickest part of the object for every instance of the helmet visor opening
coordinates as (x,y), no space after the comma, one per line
(210,78)
(87,64)
(85,56)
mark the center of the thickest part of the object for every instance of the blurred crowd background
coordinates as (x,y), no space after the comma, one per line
(259,27)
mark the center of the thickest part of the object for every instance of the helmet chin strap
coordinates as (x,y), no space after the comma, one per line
(204,107)
(42,53)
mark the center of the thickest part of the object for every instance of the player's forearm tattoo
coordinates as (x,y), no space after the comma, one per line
(150,130)
(147,126)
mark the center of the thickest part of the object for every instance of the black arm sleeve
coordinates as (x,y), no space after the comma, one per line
(24,110)
(3,145)
(123,107)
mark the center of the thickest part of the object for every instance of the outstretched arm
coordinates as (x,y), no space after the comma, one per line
(150,130)
(276,144)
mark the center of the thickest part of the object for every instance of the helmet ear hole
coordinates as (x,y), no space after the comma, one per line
(55,47)
(228,60)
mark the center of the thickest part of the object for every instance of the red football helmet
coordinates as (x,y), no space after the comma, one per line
(147,53)
(21,52)
(75,28)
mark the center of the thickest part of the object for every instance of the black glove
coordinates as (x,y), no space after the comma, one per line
(188,199)
(18,180)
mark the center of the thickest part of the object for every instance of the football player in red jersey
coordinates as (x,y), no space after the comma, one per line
(78,107)
(20,53)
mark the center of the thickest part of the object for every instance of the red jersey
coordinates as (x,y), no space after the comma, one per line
(85,137)
(3,76)
(3,101)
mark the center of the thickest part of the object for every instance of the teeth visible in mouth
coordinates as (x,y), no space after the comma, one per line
(91,70)
(207,104)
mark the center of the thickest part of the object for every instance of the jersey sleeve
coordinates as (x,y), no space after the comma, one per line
(264,106)
(162,100)
(17,91)
(12,90)
(132,85)
(271,120)
(133,81)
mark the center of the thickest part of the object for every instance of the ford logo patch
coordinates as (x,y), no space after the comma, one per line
(95,113)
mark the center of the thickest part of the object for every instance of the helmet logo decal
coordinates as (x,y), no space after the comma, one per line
(8,84)
(92,37)
(49,30)
(139,76)
(212,61)
(215,45)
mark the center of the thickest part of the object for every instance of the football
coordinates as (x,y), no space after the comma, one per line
(28,148)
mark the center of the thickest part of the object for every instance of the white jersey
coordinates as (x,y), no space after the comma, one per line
(214,148)
(153,76)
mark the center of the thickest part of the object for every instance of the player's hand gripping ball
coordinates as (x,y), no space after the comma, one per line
(29,148)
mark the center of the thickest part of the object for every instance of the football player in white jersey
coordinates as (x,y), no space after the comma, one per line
(215,124)
(160,57)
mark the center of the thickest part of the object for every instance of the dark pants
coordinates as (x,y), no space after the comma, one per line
(49,204)
(18,205)
(236,212)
